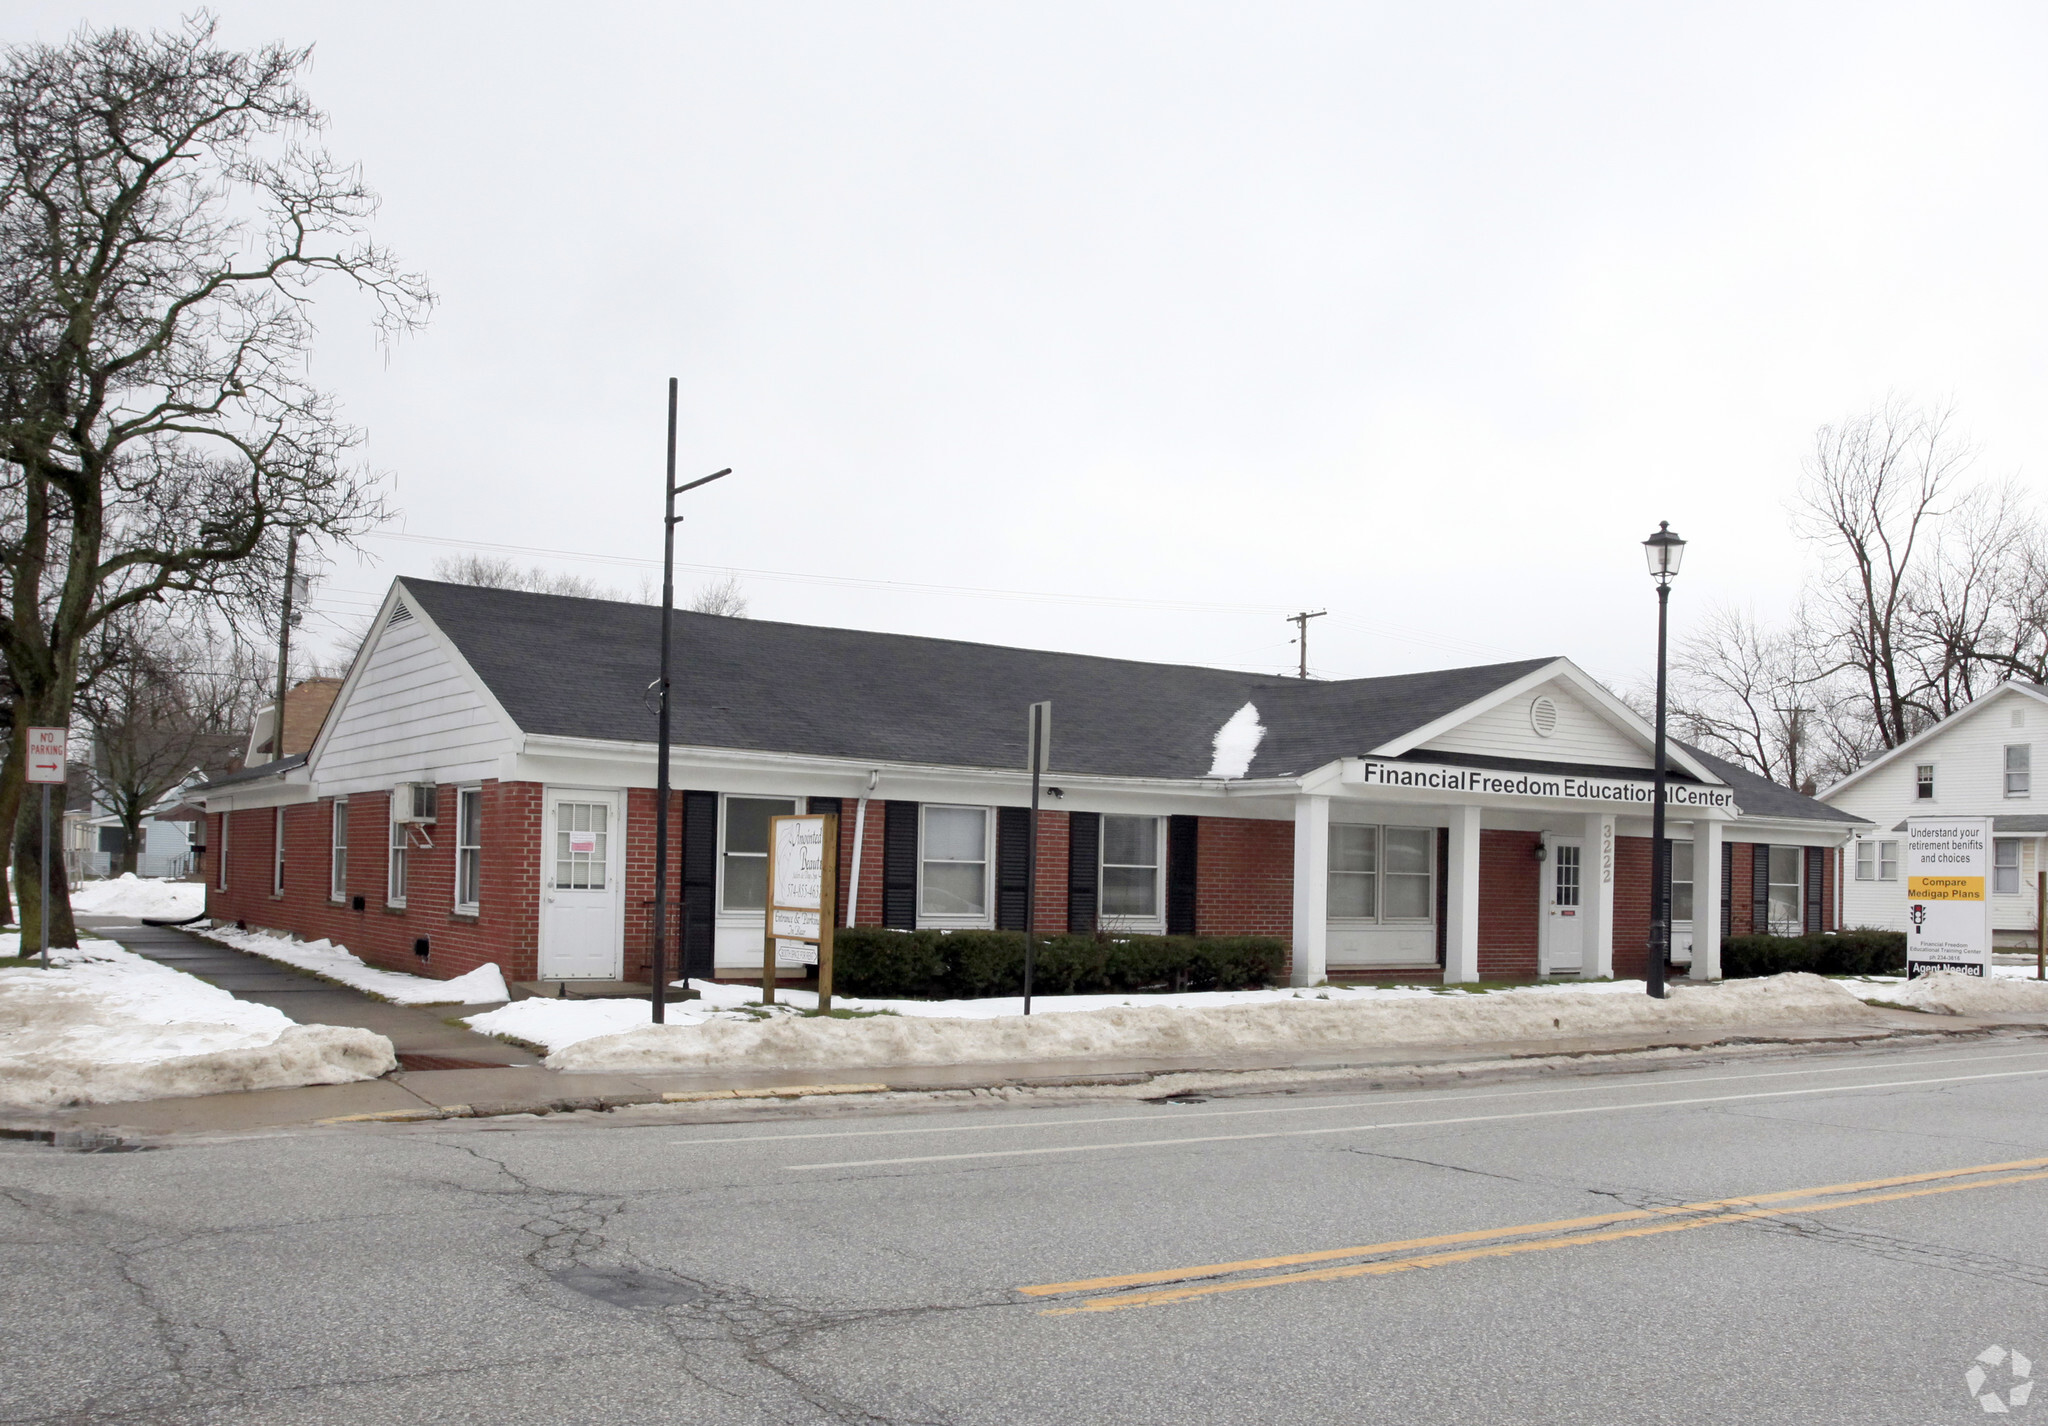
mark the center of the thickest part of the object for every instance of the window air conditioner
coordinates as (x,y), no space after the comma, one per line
(415,802)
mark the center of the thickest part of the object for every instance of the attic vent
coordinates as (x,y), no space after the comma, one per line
(1543,717)
(399,615)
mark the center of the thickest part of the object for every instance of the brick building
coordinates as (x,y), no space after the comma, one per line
(482,791)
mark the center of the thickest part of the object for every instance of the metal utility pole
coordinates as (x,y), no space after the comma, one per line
(1300,621)
(661,793)
(284,642)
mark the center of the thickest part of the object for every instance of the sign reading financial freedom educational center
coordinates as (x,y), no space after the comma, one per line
(1948,870)
(1571,787)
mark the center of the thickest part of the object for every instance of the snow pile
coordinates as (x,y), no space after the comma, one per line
(105,1025)
(331,962)
(1286,1025)
(1236,741)
(139,896)
(1949,994)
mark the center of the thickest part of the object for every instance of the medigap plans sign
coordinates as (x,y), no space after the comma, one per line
(1948,872)
(1567,787)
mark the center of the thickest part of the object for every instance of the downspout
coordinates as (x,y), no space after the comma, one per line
(860,828)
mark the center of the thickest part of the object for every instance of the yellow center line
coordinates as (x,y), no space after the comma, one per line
(1520,1230)
(1501,1250)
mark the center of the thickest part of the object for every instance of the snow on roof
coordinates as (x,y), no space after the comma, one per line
(1236,741)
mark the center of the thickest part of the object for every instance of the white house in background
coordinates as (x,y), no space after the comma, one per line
(1978,762)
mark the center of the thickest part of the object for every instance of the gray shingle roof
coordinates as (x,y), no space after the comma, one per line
(1760,797)
(581,667)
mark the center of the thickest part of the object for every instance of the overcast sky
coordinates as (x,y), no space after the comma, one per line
(1190,315)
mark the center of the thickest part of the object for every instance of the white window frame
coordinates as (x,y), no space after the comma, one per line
(397,853)
(1155,924)
(2025,773)
(337,851)
(1877,859)
(986,920)
(469,846)
(797,805)
(1798,884)
(1930,782)
(1999,846)
(1690,883)
(1379,875)
(277,853)
(220,870)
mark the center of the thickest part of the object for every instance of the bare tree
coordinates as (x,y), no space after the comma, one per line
(1744,691)
(169,701)
(726,596)
(494,572)
(166,214)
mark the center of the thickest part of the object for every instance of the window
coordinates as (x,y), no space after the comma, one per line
(1354,872)
(1564,876)
(1877,861)
(113,840)
(337,875)
(2005,866)
(469,848)
(277,858)
(220,873)
(1381,873)
(954,880)
(394,869)
(746,849)
(1681,881)
(1130,868)
(1787,914)
(1923,782)
(2019,769)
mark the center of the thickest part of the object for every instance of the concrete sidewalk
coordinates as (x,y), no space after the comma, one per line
(533,1089)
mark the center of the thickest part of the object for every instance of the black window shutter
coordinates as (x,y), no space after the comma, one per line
(1182,841)
(1759,889)
(700,884)
(830,807)
(1727,888)
(1013,852)
(1084,869)
(1443,896)
(1816,886)
(899,865)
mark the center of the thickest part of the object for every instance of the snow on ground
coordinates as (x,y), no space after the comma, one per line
(105,1025)
(480,986)
(139,896)
(1149,1027)
(1948,994)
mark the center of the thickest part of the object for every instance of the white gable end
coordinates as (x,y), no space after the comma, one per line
(1578,733)
(411,711)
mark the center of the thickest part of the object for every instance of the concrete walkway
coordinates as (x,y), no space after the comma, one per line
(420,1034)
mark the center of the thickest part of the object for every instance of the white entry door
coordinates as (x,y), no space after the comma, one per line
(1564,910)
(582,930)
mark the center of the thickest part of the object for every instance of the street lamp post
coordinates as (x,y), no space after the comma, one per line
(1663,549)
(659,995)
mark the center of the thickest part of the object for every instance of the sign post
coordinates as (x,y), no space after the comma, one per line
(803,885)
(46,753)
(1948,871)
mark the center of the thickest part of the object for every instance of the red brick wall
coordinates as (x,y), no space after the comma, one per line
(1244,877)
(1510,884)
(505,930)
(1050,909)
(1631,907)
(869,907)
(1742,863)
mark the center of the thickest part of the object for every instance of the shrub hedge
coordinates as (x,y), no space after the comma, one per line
(1856,952)
(965,965)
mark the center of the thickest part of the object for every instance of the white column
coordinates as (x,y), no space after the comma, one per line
(1311,889)
(1706,900)
(1461,899)
(1598,898)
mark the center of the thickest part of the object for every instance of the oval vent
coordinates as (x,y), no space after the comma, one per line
(1543,717)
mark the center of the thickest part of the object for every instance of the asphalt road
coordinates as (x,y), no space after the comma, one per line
(1553,1252)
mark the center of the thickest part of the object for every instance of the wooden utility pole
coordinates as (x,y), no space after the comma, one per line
(1300,621)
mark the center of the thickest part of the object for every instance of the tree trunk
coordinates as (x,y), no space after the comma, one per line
(12,773)
(131,836)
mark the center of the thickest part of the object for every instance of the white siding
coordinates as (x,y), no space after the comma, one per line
(1968,753)
(1583,734)
(411,712)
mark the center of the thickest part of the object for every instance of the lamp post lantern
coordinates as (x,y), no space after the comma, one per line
(1664,549)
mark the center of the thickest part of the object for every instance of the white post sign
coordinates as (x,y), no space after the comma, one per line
(1948,908)
(803,870)
(46,749)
